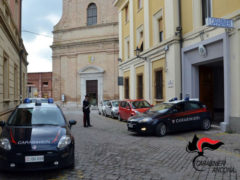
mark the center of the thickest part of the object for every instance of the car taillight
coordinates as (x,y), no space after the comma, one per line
(204,107)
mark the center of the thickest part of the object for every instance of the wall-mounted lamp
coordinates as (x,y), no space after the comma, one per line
(138,51)
(178,30)
(166,47)
(119,60)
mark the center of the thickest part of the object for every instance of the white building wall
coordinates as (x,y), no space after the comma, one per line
(173,72)
(235,73)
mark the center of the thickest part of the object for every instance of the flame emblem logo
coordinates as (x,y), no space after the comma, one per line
(200,145)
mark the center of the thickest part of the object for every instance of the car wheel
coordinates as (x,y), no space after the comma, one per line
(112,115)
(161,129)
(72,165)
(99,112)
(119,117)
(206,124)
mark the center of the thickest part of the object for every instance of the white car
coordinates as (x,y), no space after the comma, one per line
(102,107)
(112,108)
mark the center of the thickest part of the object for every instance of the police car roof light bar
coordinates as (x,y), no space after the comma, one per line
(26,101)
(50,100)
(173,99)
(186,99)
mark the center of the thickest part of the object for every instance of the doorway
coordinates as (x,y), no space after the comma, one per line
(92,91)
(211,89)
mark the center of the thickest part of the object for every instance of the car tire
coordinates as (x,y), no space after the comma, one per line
(161,129)
(72,165)
(206,124)
(119,117)
(112,115)
(99,112)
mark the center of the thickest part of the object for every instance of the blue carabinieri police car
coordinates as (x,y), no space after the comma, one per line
(36,137)
(176,115)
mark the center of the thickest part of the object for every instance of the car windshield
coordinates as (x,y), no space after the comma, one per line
(161,108)
(105,103)
(140,104)
(115,103)
(36,116)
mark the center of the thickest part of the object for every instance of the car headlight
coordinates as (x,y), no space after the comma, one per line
(5,144)
(64,142)
(137,112)
(115,110)
(148,119)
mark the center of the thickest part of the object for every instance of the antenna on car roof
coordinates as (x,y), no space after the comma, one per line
(38,103)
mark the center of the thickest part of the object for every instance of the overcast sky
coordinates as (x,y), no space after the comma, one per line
(39,16)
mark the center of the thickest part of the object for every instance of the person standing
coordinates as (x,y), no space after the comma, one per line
(86,112)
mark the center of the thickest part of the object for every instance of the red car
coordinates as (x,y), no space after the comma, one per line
(128,108)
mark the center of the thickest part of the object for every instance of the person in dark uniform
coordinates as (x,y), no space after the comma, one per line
(86,112)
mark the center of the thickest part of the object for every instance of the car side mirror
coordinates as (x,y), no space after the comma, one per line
(2,123)
(72,122)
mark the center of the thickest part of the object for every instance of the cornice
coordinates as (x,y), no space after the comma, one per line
(67,45)
(84,27)
(152,53)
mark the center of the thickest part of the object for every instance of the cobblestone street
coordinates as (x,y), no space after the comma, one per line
(107,151)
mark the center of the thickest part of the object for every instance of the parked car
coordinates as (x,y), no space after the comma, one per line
(36,136)
(171,116)
(128,108)
(102,107)
(112,108)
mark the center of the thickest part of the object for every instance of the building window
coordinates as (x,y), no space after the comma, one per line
(92,14)
(140,38)
(5,78)
(126,14)
(45,84)
(127,48)
(23,85)
(160,29)
(15,82)
(140,86)
(206,10)
(139,4)
(159,84)
(126,85)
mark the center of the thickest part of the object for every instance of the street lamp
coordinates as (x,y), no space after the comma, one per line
(138,51)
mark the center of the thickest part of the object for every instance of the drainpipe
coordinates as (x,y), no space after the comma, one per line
(20,78)
(21,51)
(179,31)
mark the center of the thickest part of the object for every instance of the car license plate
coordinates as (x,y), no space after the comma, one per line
(31,159)
(130,125)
